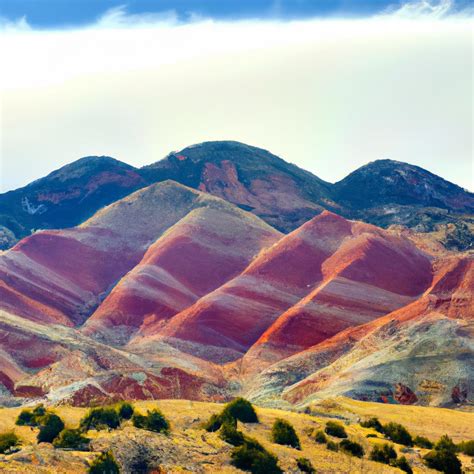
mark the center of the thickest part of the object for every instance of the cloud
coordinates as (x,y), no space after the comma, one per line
(19,25)
(118,17)
(427,10)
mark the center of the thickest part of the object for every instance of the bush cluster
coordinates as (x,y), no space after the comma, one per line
(466,447)
(443,457)
(252,456)
(154,420)
(352,448)
(72,439)
(284,433)
(238,409)
(444,461)
(304,465)
(402,464)
(398,434)
(332,446)
(422,442)
(372,423)
(229,434)
(386,454)
(8,441)
(125,411)
(31,417)
(104,464)
(320,437)
(100,419)
(333,428)
(50,425)
(248,454)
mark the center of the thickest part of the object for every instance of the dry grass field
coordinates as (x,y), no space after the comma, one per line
(189,448)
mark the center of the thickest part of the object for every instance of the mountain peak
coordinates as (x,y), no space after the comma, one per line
(388,182)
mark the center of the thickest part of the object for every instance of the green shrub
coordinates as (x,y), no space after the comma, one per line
(335,429)
(242,410)
(8,441)
(373,423)
(445,443)
(125,411)
(72,439)
(304,465)
(214,423)
(402,464)
(157,422)
(99,419)
(320,437)
(153,421)
(39,411)
(104,464)
(466,447)
(26,418)
(371,435)
(253,457)
(51,426)
(352,448)
(422,442)
(31,418)
(284,433)
(398,434)
(139,421)
(444,461)
(229,434)
(384,454)
(332,446)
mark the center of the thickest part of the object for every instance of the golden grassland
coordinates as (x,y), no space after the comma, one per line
(211,455)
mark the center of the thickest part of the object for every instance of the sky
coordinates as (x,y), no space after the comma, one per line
(327,85)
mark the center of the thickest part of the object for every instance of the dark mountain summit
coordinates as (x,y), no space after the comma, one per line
(387,192)
(66,197)
(383,192)
(386,182)
(254,179)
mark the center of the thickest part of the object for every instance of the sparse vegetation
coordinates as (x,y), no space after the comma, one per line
(229,434)
(352,448)
(304,465)
(402,464)
(333,428)
(444,461)
(320,437)
(384,453)
(238,409)
(214,423)
(8,441)
(253,457)
(422,442)
(398,434)
(100,419)
(72,439)
(51,426)
(466,447)
(153,421)
(104,464)
(31,417)
(373,423)
(125,411)
(332,446)
(242,410)
(445,443)
(284,433)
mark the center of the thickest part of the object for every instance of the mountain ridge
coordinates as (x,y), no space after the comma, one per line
(254,179)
